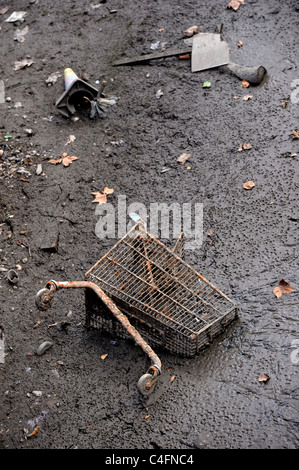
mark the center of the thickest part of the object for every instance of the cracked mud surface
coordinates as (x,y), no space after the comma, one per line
(215,400)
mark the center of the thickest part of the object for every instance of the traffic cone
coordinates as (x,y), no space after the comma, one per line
(77,94)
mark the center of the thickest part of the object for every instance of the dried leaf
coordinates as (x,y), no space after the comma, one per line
(103,356)
(245,84)
(284,104)
(249,185)
(191,31)
(108,190)
(247,97)
(295,134)
(65,159)
(172,378)
(264,378)
(70,139)
(282,288)
(101,196)
(234,4)
(21,64)
(244,147)
(240,43)
(183,158)
(147,416)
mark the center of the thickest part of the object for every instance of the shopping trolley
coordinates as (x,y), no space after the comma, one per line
(143,290)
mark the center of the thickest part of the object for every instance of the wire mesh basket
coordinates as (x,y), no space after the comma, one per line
(144,290)
(171,304)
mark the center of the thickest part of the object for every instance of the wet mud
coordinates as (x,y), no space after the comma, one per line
(213,400)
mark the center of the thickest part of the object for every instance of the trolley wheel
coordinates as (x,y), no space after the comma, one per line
(146,384)
(43,300)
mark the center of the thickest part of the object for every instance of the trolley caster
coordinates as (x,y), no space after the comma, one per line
(44,299)
(146,384)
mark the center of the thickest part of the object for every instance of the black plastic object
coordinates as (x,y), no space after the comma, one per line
(78,94)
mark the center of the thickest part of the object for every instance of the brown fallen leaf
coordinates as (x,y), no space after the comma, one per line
(234,4)
(240,43)
(183,158)
(295,134)
(147,416)
(103,356)
(70,139)
(244,147)
(247,97)
(191,31)
(249,185)
(172,378)
(65,159)
(284,104)
(245,83)
(21,64)
(101,196)
(282,288)
(264,378)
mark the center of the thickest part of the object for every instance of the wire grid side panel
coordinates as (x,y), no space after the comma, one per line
(147,276)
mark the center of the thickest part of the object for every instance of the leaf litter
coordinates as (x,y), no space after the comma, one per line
(65,159)
(101,196)
(282,288)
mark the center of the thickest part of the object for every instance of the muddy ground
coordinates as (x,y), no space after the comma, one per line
(215,400)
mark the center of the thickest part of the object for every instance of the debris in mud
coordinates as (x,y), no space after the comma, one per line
(206,84)
(16,16)
(234,4)
(12,276)
(52,78)
(264,378)
(103,356)
(191,31)
(3,11)
(159,94)
(295,134)
(101,196)
(240,43)
(65,159)
(183,158)
(282,288)
(43,347)
(249,185)
(247,97)
(284,104)
(79,96)
(244,83)
(172,378)
(34,432)
(70,139)
(20,34)
(244,147)
(21,64)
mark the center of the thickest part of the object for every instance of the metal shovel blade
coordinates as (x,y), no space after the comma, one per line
(208,51)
